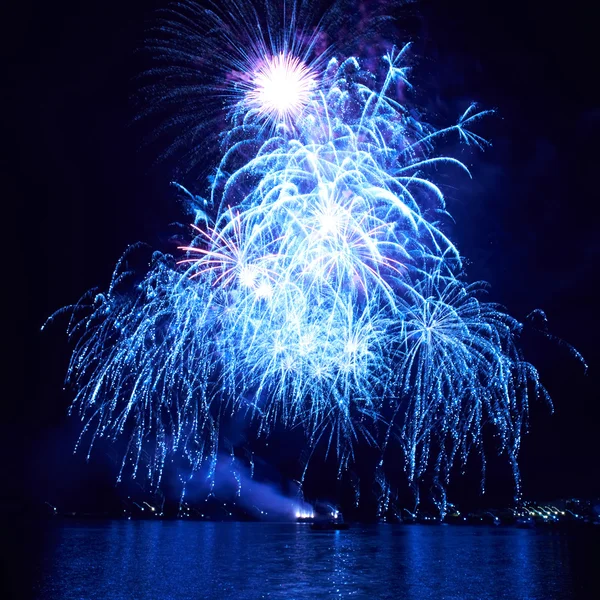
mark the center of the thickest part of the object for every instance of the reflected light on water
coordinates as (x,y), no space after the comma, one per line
(196,560)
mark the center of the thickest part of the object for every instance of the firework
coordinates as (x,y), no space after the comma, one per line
(318,288)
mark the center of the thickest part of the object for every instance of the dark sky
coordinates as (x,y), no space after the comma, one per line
(79,189)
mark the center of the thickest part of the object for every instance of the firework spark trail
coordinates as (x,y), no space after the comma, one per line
(318,290)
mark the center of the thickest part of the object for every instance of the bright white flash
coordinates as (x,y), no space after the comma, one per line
(264,290)
(248,275)
(281,87)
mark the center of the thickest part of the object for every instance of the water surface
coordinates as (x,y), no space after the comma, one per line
(172,560)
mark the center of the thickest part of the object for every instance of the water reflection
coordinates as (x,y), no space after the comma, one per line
(189,560)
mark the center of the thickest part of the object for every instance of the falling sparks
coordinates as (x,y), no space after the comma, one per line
(319,291)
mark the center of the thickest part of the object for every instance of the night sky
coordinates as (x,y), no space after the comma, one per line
(80,187)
